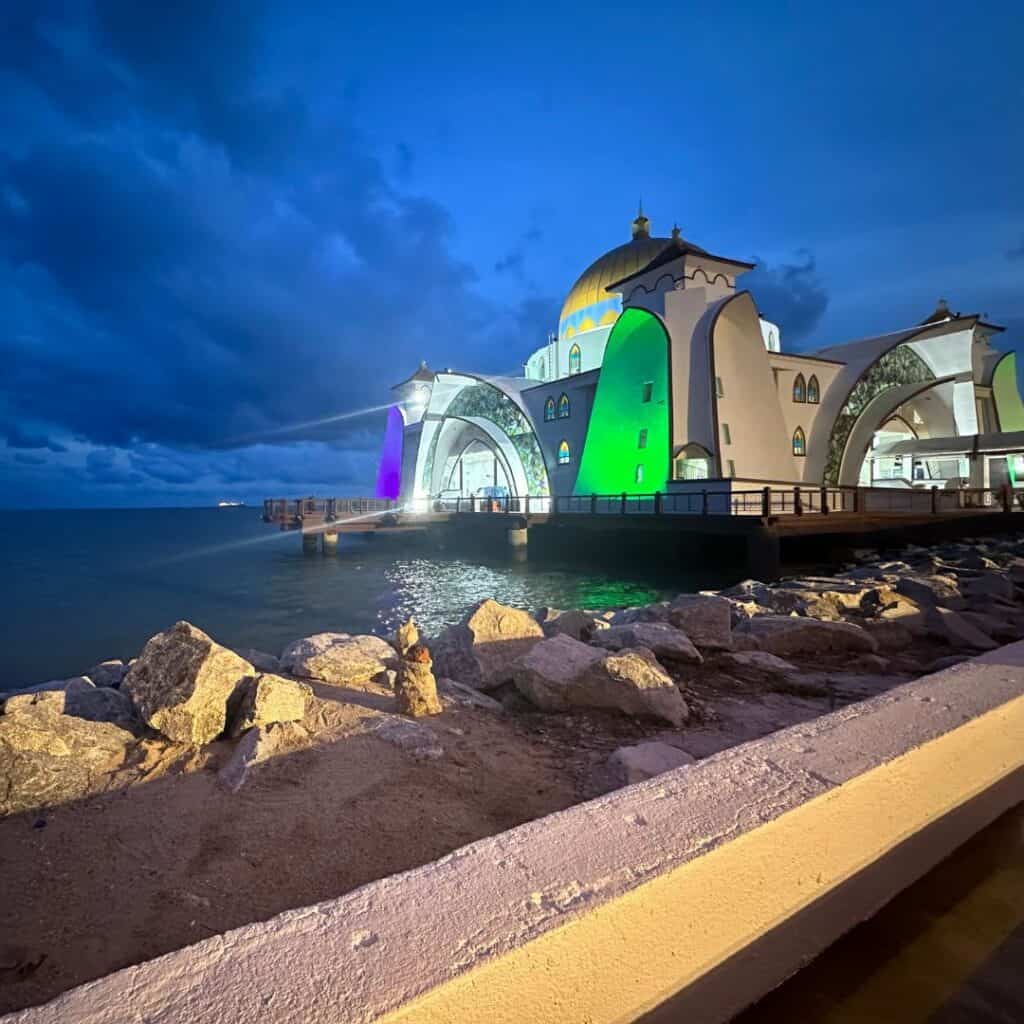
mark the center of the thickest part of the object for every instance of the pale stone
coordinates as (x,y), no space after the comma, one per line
(258,744)
(338,658)
(755,665)
(268,699)
(455,693)
(645,760)
(261,660)
(481,649)
(657,612)
(787,636)
(705,619)
(48,758)
(420,741)
(579,625)
(560,674)
(181,683)
(929,591)
(664,640)
(407,635)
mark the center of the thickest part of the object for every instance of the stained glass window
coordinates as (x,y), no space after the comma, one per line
(799,389)
(564,455)
(563,407)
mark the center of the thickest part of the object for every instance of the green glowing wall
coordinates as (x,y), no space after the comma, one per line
(636,355)
(1004,390)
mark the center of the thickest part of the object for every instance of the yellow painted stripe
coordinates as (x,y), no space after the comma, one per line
(631,954)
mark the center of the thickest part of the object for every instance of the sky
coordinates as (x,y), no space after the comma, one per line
(226,229)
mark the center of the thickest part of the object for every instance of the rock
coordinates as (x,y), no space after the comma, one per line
(338,658)
(261,660)
(943,663)
(407,635)
(268,699)
(756,665)
(560,673)
(258,744)
(930,591)
(181,683)
(957,631)
(787,636)
(48,758)
(23,697)
(645,760)
(77,697)
(452,692)
(642,613)
(664,640)
(873,663)
(989,584)
(418,740)
(705,619)
(577,624)
(481,649)
(108,673)
(1015,571)
(415,687)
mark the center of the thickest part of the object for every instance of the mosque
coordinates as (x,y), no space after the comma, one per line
(664,377)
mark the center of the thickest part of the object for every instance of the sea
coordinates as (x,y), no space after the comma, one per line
(80,586)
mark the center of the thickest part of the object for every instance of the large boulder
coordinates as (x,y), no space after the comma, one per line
(49,758)
(182,681)
(945,624)
(79,697)
(338,658)
(482,648)
(560,674)
(756,666)
(657,612)
(258,744)
(108,673)
(579,625)
(645,760)
(664,640)
(989,584)
(788,636)
(705,618)
(268,699)
(261,660)
(931,591)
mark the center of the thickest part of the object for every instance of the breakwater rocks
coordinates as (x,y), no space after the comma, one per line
(694,675)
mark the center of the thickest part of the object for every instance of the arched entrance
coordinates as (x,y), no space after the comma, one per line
(478,470)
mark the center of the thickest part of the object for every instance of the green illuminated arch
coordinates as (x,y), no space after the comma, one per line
(632,396)
(1007,396)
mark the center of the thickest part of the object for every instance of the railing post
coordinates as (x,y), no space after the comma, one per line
(1007,499)
(623,502)
(935,500)
(824,500)
(766,502)
(856,499)
(593,504)
(704,502)
(657,503)
(798,508)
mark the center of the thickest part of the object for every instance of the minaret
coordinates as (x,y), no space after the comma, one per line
(641,225)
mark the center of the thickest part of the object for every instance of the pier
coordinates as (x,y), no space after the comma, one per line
(760,526)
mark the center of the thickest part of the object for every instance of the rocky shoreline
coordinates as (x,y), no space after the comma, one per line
(841,637)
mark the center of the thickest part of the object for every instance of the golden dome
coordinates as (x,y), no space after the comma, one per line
(590,288)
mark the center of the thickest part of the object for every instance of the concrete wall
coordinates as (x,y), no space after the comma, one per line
(684,897)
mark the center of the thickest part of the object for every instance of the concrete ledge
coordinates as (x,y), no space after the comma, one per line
(694,892)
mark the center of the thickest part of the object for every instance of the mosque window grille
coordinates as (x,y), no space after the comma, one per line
(564,453)
(731,469)
(549,410)
(719,390)
(640,473)
(648,391)
(799,389)
(575,359)
(813,391)
(641,441)
(799,442)
(564,408)
(726,434)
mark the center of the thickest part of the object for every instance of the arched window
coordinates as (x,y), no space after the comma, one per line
(575,359)
(564,455)
(563,407)
(692,462)
(549,410)
(799,442)
(543,369)
(799,389)
(813,392)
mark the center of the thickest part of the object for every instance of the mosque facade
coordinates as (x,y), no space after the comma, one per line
(664,377)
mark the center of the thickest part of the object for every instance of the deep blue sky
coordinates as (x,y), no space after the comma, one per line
(221,220)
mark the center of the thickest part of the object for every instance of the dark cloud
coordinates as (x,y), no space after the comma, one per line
(19,438)
(190,255)
(790,294)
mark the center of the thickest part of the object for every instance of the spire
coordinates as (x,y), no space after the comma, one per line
(942,312)
(677,235)
(641,225)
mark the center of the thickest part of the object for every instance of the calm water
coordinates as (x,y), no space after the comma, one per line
(81,586)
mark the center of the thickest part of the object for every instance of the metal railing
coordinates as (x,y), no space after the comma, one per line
(279,510)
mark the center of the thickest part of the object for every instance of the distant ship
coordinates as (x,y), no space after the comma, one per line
(229,504)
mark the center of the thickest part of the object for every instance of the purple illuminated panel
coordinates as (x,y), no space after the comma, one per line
(389,473)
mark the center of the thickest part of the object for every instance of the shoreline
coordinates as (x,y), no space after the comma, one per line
(137,844)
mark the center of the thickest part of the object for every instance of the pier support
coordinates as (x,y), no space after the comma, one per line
(330,541)
(764,561)
(517,542)
(309,543)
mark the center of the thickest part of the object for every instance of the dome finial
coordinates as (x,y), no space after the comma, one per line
(677,235)
(641,225)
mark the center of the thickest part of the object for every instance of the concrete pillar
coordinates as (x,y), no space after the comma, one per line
(309,543)
(764,561)
(330,541)
(517,541)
